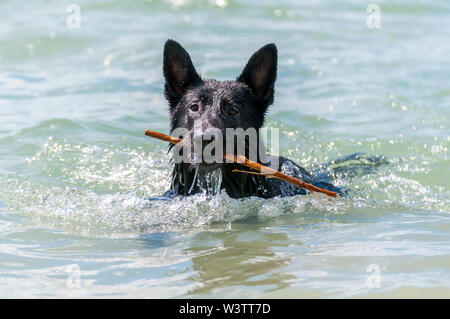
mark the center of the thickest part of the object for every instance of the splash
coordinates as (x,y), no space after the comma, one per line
(97,189)
(129,213)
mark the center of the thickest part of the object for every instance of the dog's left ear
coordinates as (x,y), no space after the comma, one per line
(260,74)
(179,72)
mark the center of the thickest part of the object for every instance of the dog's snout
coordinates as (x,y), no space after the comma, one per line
(205,137)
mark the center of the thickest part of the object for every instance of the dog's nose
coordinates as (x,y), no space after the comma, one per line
(205,137)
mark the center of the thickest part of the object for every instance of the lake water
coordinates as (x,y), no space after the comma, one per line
(75,165)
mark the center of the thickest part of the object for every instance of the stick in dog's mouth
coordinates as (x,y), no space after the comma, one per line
(259,168)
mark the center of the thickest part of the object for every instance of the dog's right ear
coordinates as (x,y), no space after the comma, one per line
(260,74)
(179,72)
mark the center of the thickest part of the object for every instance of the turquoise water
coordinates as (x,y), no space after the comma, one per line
(75,165)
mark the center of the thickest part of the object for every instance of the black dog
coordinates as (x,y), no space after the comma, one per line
(229,104)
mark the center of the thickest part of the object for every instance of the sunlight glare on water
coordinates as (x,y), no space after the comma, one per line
(79,181)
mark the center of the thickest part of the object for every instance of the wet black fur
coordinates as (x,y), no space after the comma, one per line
(251,94)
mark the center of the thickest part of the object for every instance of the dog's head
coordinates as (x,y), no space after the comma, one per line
(206,108)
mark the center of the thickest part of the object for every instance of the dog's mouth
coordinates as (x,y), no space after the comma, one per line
(206,167)
(206,161)
(204,150)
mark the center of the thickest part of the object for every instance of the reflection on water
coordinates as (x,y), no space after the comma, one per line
(77,172)
(246,257)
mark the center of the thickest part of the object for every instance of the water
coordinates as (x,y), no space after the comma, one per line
(75,165)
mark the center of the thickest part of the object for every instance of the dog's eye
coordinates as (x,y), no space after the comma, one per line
(232,111)
(194,108)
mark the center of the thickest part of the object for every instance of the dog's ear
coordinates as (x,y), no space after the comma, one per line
(179,71)
(260,74)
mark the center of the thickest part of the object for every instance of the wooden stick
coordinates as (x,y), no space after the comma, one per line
(163,137)
(262,169)
(271,172)
(253,173)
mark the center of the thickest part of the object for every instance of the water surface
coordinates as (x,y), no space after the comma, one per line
(75,167)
